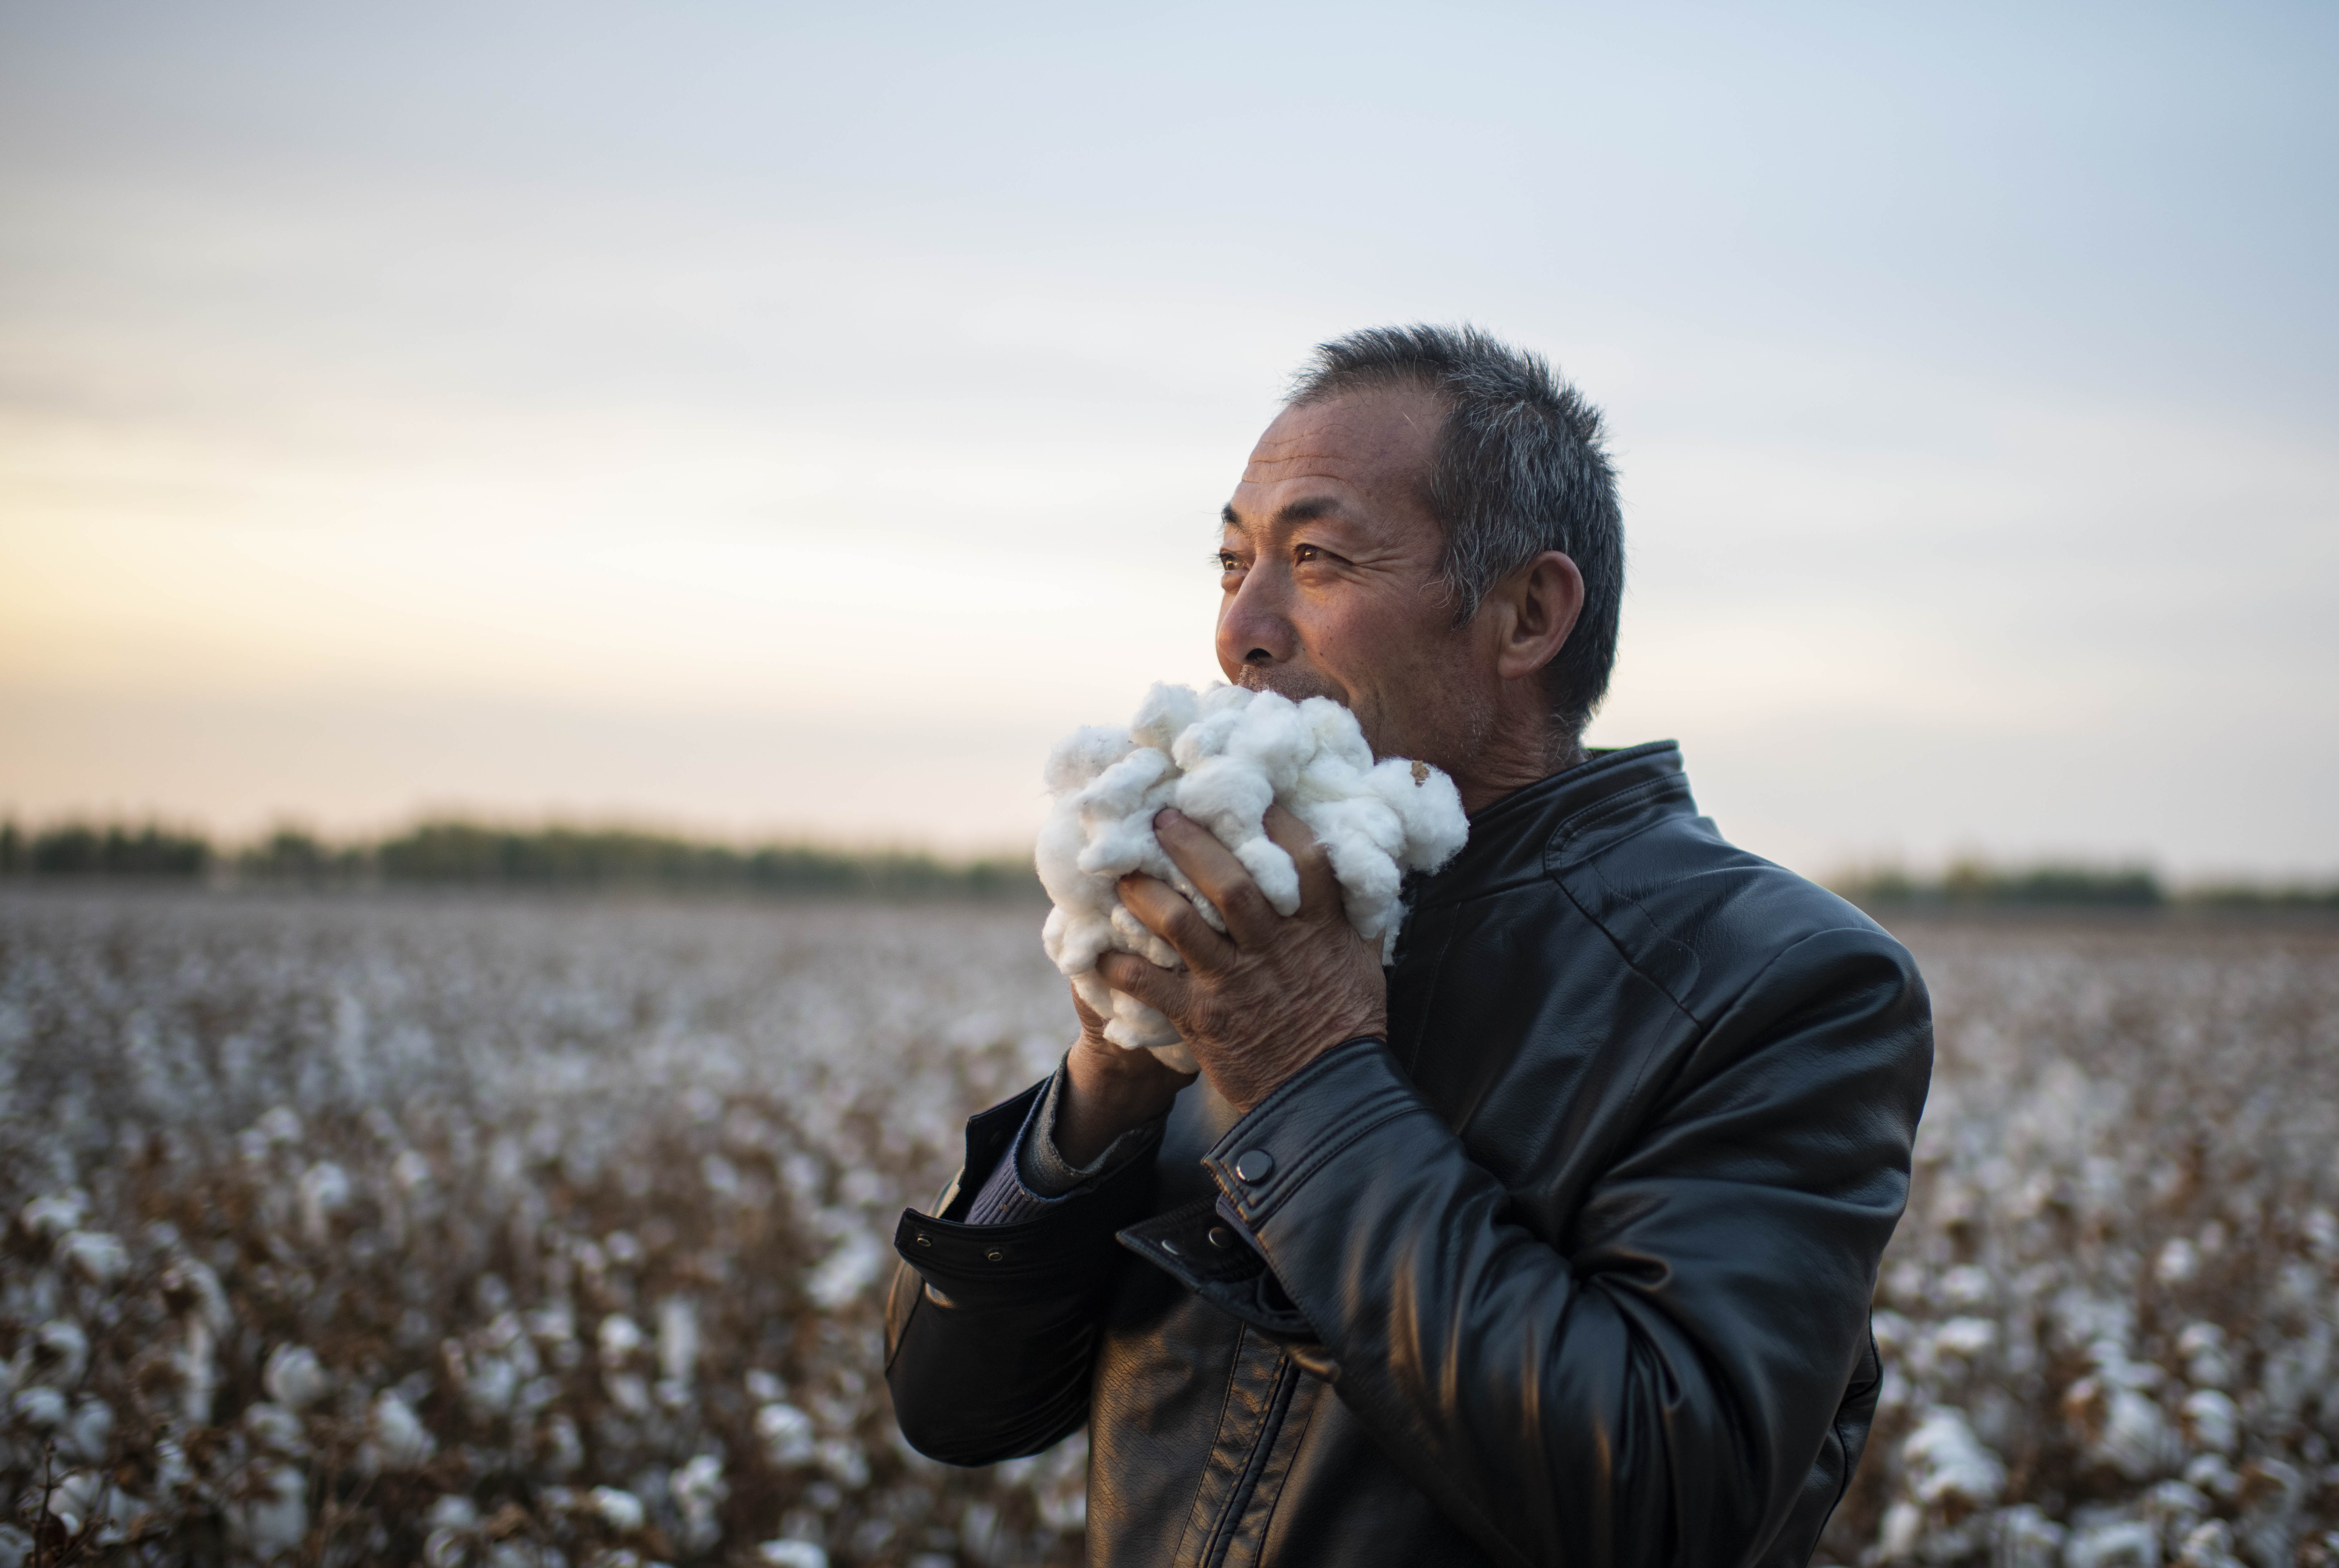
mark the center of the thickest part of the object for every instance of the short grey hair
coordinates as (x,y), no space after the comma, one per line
(1520,469)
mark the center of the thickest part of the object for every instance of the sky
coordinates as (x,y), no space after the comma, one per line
(766,420)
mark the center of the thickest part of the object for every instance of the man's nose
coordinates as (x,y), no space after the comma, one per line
(1254,626)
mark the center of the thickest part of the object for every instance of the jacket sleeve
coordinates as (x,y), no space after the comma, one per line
(992,1329)
(1656,1385)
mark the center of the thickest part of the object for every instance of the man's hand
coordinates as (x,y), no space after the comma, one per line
(1270,994)
(1108,1090)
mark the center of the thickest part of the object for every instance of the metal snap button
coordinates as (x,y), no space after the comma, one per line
(1221,1236)
(995,1256)
(1255,1165)
(922,1239)
(1171,1248)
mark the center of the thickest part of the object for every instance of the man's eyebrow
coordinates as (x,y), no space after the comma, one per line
(1305,510)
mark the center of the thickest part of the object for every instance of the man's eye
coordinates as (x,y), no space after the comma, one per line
(1307,553)
(1228,562)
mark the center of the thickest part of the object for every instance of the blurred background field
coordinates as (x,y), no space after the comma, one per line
(506,1229)
(570,1221)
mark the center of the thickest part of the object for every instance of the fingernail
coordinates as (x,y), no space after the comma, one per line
(1166,815)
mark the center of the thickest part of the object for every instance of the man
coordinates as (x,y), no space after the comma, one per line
(1553,1243)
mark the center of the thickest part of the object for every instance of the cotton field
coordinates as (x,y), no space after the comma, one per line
(493,1232)
(2108,1317)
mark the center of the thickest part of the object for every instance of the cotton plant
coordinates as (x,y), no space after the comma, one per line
(2110,1318)
(692,1125)
(1222,757)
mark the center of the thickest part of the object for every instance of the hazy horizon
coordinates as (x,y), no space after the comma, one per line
(732,419)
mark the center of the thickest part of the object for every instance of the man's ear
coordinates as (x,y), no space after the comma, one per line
(1537,606)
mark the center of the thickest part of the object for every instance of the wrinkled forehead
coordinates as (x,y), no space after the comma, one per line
(1371,443)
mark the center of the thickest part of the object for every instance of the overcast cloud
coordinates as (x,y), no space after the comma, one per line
(697,414)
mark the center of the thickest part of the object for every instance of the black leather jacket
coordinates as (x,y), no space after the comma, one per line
(1574,1268)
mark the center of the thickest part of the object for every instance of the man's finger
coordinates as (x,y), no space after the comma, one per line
(1162,989)
(1224,880)
(1319,889)
(1166,912)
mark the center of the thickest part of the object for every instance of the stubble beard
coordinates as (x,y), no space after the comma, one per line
(1283,681)
(1298,685)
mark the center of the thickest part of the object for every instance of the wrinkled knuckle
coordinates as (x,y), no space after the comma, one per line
(1186,923)
(1249,903)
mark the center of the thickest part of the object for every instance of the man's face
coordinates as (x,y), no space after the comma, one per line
(1329,555)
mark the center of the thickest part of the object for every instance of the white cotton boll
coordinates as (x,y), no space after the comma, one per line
(851,1267)
(700,1491)
(629,1391)
(620,1510)
(2115,1543)
(1222,757)
(399,1440)
(2024,1537)
(55,1214)
(2207,1363)
(274,1429)
(2208,1544)
(88,1431)
(295,1378)
(1964,1337)
(410,1170)
(453,1511)
(1966,1286)
(1166,712)
(844,1461)
(564,1446)
(96,1256)
(325,1192)
(1949,1467)
(1902,1527)
(677,1339)
(786,1433)
(42,1409)
(698,1485)
(2212,1473)
(2212,1421)
(620,1338)
(94,1497)
(271,1515)
(1084,754)
(60,1352)
(2132,1436)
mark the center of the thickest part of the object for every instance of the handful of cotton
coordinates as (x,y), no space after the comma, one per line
(1222,757)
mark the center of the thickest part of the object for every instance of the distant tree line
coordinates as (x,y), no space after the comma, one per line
(1977,884)
(76,849)
(469,855)
(452,854)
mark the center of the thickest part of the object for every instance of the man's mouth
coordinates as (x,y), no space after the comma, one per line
(1285,681)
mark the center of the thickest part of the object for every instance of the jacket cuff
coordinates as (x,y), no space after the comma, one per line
(1212,1247)
(1041,1166)
(1036,1175)
(1311,1119)
(1063,1249)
